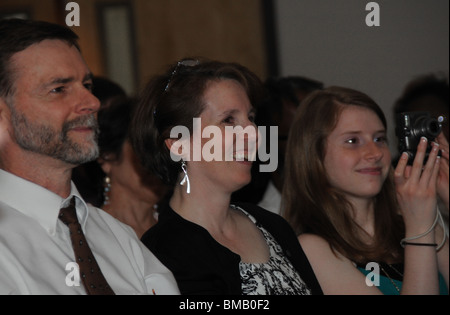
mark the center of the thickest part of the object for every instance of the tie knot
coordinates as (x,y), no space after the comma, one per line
(68,214)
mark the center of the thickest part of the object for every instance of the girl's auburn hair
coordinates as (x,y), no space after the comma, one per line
(311,205)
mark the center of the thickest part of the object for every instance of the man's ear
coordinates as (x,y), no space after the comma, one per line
(5,124)
(5,111)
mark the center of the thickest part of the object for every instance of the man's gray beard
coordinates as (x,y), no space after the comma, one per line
(45,140)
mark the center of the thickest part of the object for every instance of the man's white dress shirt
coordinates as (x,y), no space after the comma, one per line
(36,250)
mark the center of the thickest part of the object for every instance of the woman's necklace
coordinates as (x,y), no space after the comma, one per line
(395,269)
(390,279)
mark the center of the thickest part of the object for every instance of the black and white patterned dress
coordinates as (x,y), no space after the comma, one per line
(275,277)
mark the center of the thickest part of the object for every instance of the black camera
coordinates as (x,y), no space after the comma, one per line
(411,127)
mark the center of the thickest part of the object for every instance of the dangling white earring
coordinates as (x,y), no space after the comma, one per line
(185,178)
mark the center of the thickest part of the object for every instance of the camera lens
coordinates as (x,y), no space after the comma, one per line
(434,128)
(427,127)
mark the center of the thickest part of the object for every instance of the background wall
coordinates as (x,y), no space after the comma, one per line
(131,40)
(329,40)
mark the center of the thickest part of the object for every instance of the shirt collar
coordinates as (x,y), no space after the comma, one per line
(37,202)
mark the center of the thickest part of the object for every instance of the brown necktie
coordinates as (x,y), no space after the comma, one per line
(90,273)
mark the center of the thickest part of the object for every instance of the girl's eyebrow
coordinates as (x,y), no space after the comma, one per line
(351,132)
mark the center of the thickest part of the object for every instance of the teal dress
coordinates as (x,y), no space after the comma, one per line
(391,276)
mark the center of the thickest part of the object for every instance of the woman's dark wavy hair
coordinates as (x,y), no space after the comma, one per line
(162,107)
(312,205)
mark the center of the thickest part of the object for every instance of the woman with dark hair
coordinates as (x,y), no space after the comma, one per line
(130,193)
(116,182)
(212,246)
(355,214)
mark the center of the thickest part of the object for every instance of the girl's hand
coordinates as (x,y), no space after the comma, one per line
(443,176)
(416,189)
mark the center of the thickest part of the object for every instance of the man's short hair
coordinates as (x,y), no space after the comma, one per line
(17,35)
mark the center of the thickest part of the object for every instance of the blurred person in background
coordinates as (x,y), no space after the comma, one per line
(116,181)
(428,93)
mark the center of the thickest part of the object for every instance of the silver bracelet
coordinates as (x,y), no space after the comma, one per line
(405,241)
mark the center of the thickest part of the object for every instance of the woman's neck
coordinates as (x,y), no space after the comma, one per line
(138,214)
(204,206)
